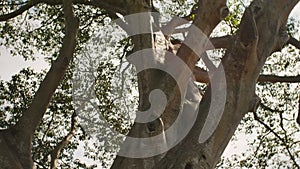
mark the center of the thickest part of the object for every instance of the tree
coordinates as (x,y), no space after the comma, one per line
(261,32)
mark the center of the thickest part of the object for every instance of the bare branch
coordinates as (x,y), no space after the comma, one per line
(282,79)
(298,117)
(19,11)
(33,115)
(206,21)
(56,151)
(287,147)
(294,42)
(110,6)
(201,75)
(265,107)
(221,42)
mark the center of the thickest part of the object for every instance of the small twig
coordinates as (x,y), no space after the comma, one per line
(278,137)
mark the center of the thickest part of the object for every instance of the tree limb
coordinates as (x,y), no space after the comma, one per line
(33,115)
(19,11)
(112,6)
(287,147)
(201,76)
(56,151)
(294,42)
(221,42)
(282,79)
(298,117)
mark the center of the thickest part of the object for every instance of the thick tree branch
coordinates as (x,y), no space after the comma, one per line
(221,42)
(56,151)
(208,17)
(294,42)
(248,33)
(32,117)
(201,75)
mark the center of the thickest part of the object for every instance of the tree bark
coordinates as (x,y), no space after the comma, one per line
(258,36)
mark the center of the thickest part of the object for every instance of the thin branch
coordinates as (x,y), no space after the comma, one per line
(282,79)
(48,128)
(111,6)
(41,165)
(265,107)
(298,118)
(259,145)
(56,151)
(278,137)
(19,11)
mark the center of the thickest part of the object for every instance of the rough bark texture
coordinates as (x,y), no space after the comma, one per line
(259,35)
(257,38)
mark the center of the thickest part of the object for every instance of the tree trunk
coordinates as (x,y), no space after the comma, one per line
(258,36)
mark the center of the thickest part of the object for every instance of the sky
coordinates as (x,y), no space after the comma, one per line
(10,65)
